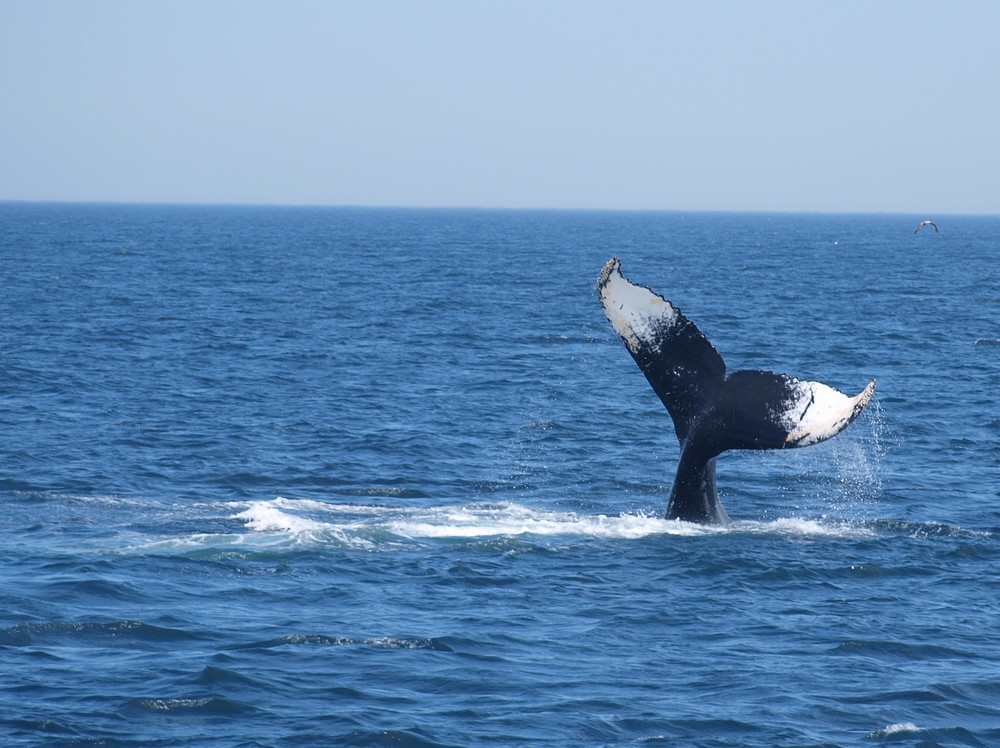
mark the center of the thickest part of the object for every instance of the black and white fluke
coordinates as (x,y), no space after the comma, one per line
(712,411)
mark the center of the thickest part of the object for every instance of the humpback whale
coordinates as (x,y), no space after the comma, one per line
(714,411)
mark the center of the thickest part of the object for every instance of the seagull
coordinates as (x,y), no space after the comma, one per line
(926,223)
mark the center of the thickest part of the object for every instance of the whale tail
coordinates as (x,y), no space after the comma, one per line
(714,412)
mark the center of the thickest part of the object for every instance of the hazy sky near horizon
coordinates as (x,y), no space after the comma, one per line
(777,105)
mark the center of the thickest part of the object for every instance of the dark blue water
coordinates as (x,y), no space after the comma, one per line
(315,477)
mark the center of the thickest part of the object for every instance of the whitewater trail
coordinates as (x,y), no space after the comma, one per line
(309,522)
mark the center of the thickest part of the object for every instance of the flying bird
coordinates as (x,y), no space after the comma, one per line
(926,223)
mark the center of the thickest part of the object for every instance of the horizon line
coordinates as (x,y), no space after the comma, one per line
(484,208)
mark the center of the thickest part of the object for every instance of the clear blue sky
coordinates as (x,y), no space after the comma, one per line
(798,105)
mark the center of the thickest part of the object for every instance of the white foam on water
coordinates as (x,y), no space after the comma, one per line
(795,526)
(895,729)
(110,499)
(482,520)
(265,516)
(274,525)
(195,541)
(282,524)
(472,521)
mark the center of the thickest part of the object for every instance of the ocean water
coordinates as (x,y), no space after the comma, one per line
(322,477)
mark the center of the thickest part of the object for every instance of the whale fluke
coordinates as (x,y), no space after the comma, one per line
(712,411)
(926,223)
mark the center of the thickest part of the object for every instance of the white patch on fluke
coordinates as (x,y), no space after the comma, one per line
(638,315)
(817,412)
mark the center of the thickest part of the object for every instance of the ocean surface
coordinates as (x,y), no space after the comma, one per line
(373,477)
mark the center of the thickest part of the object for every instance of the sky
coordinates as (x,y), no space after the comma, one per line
(770,105)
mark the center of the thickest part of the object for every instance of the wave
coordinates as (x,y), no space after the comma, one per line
(122,633)
(383,642)
(899,732)
(203,707)
(483,519)
(895,731)
(283,524)
(921,529)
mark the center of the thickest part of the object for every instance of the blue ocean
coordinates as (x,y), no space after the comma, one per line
(282,477)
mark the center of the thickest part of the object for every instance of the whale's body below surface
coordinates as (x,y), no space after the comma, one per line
(712,411)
